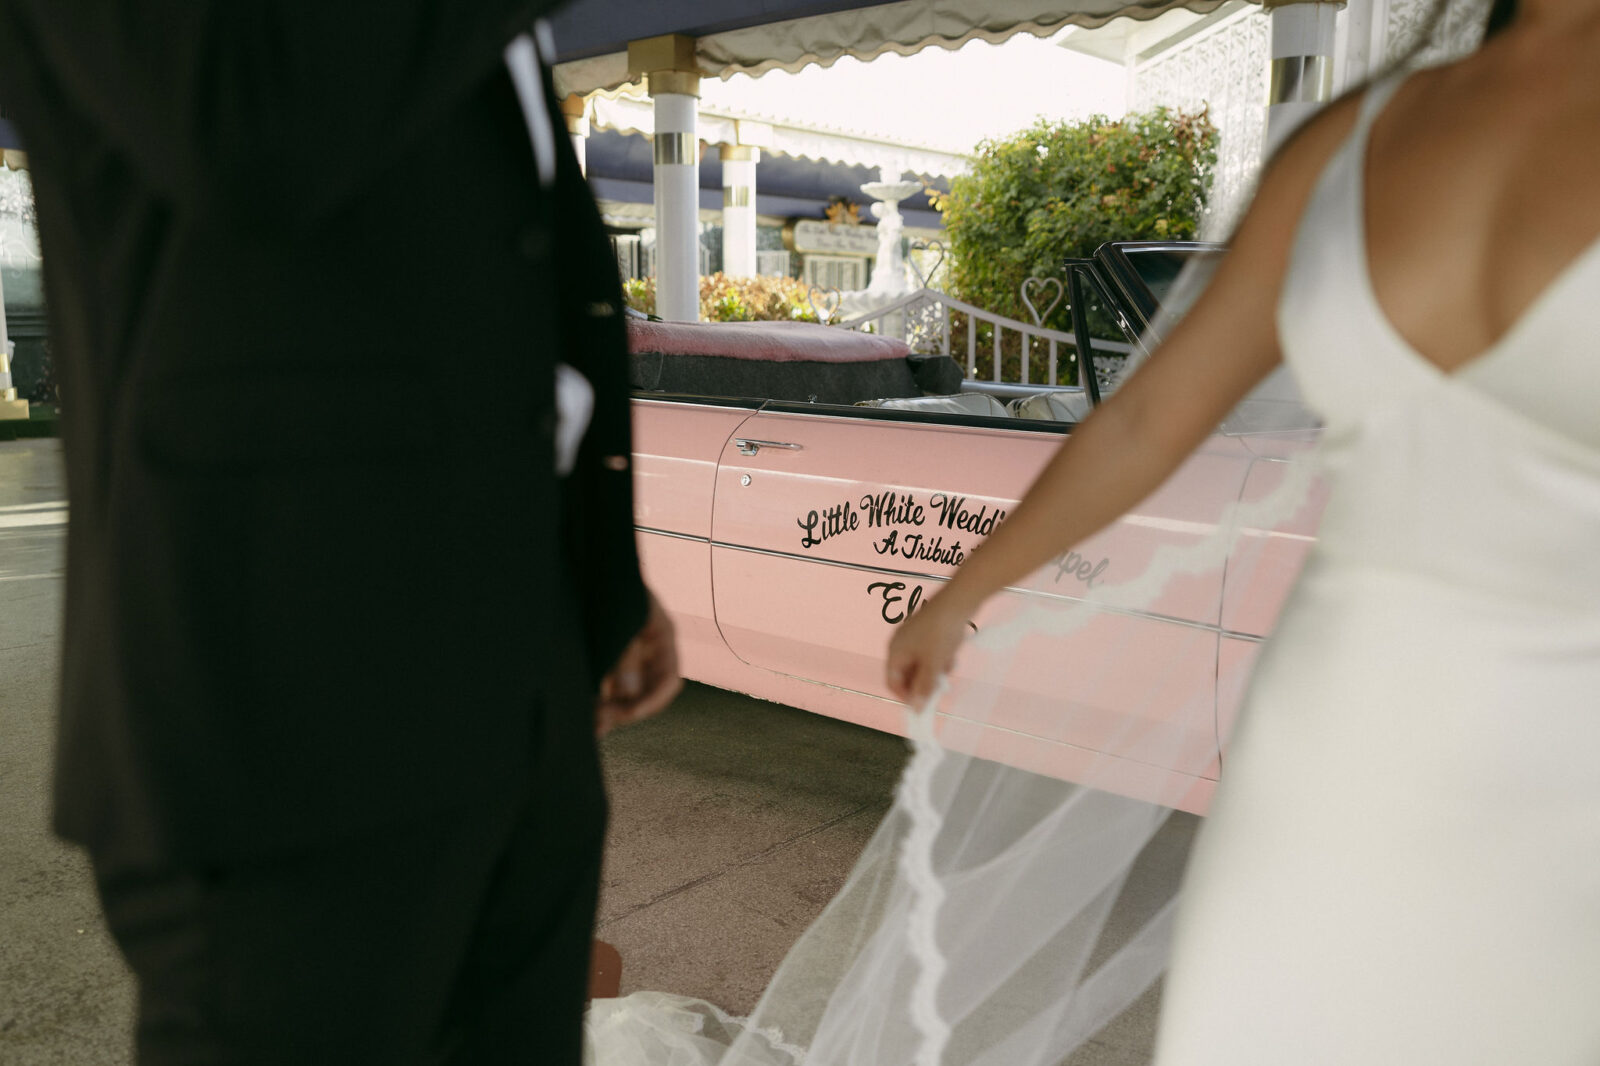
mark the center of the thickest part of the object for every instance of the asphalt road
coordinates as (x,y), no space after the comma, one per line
(733,823)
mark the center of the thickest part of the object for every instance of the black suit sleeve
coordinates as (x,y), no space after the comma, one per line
(277,108)
(598,496)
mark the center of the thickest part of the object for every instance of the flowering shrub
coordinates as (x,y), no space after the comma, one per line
(725,299)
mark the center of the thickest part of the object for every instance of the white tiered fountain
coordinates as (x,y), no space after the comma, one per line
(890,279)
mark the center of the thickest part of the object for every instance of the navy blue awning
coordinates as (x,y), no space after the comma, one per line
(595,27)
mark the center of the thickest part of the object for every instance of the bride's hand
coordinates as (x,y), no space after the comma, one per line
(924,649)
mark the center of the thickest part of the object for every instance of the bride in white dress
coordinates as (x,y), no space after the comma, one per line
(1402,864)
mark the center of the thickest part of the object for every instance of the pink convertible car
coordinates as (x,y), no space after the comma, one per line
(801,488)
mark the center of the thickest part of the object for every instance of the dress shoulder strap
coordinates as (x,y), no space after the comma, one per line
(1377,94)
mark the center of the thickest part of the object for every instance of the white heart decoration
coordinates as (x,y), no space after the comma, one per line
(929,246)
(1043,284)
(829,305)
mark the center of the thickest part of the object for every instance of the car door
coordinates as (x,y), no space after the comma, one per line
(676,444)
(831,525)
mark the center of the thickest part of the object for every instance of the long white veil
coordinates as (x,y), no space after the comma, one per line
(1000,914)
(1014,899)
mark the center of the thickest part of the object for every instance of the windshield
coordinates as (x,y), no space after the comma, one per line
(1274,406)
(1159,268)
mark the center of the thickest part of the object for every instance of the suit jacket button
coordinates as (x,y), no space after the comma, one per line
(534,243)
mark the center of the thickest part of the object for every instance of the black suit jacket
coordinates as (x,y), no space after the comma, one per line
(306,294)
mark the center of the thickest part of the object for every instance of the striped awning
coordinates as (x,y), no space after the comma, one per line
(755,36)
(628,113)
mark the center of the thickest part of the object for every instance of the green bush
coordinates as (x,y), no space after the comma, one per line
(1060,189)
(726,299)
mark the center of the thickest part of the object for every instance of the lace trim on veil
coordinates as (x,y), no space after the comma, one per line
(1092,1006)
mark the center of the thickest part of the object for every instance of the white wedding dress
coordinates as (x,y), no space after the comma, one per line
(1402,864)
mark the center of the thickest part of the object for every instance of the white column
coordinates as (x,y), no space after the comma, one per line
(5,339)
(739,210)
(14,159)
(1304,33)
(10,406)
(7,393)
(1362,33)
(670,65)
(575,109)
(677,194)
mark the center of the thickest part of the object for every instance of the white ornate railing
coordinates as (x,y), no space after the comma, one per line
(923,319)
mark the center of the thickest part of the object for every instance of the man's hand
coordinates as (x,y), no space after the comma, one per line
(645,678)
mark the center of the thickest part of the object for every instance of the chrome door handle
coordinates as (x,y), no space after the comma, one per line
(750,447)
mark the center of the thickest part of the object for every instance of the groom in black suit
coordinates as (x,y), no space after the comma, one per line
(335,623)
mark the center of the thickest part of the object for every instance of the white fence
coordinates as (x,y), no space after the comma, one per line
(636,258)
(773,264)
(846,273)
(924,320)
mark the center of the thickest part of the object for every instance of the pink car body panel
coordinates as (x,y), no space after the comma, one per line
(786,570)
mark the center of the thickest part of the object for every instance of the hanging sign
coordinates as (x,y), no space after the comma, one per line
(809,235)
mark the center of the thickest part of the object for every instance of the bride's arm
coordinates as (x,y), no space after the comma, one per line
(1221,350)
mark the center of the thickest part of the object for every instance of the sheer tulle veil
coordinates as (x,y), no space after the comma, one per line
(1011,903)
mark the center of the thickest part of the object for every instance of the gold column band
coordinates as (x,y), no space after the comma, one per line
(670,51)
(672,149)
(680,82)
(1301,80)
(736,196)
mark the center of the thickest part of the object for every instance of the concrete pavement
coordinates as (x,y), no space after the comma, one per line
(733,823)
(65,997)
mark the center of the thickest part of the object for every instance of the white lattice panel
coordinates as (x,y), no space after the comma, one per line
(19,242)
(1459,32)
(1226,68)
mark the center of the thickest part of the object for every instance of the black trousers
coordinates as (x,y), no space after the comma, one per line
(462,939)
